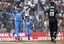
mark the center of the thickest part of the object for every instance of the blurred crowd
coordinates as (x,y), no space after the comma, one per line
(34,8)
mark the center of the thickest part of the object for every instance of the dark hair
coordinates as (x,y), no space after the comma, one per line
(52,3)
(18,7)
(26,16)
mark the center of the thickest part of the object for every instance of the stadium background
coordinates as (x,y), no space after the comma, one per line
(36,10)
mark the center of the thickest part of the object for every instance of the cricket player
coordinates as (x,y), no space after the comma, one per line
(29,26)
(18,18)
(52,14)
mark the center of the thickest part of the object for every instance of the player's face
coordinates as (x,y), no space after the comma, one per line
(51,5)
(27,18)
(18,9)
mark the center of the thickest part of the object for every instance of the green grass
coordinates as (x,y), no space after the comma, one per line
(30,42)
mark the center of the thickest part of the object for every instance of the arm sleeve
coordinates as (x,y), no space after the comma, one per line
(47,11)
(24,20)
(32,24)
(14,11)
(23,15)
(57,11)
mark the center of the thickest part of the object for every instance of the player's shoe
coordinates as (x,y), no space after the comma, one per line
(28,38)
(54,41)
(13,36)
(51,40)
(13,33)
(19,40)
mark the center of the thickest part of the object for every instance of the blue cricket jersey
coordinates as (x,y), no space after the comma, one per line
(18,16)
(29,24)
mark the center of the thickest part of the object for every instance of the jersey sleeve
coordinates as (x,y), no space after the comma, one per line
(22,15)
(32,24)
(25,20)
(14,11)
(47,11)
(57,11)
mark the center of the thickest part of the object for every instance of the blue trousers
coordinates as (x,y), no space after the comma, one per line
(18,26)
(28,32)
